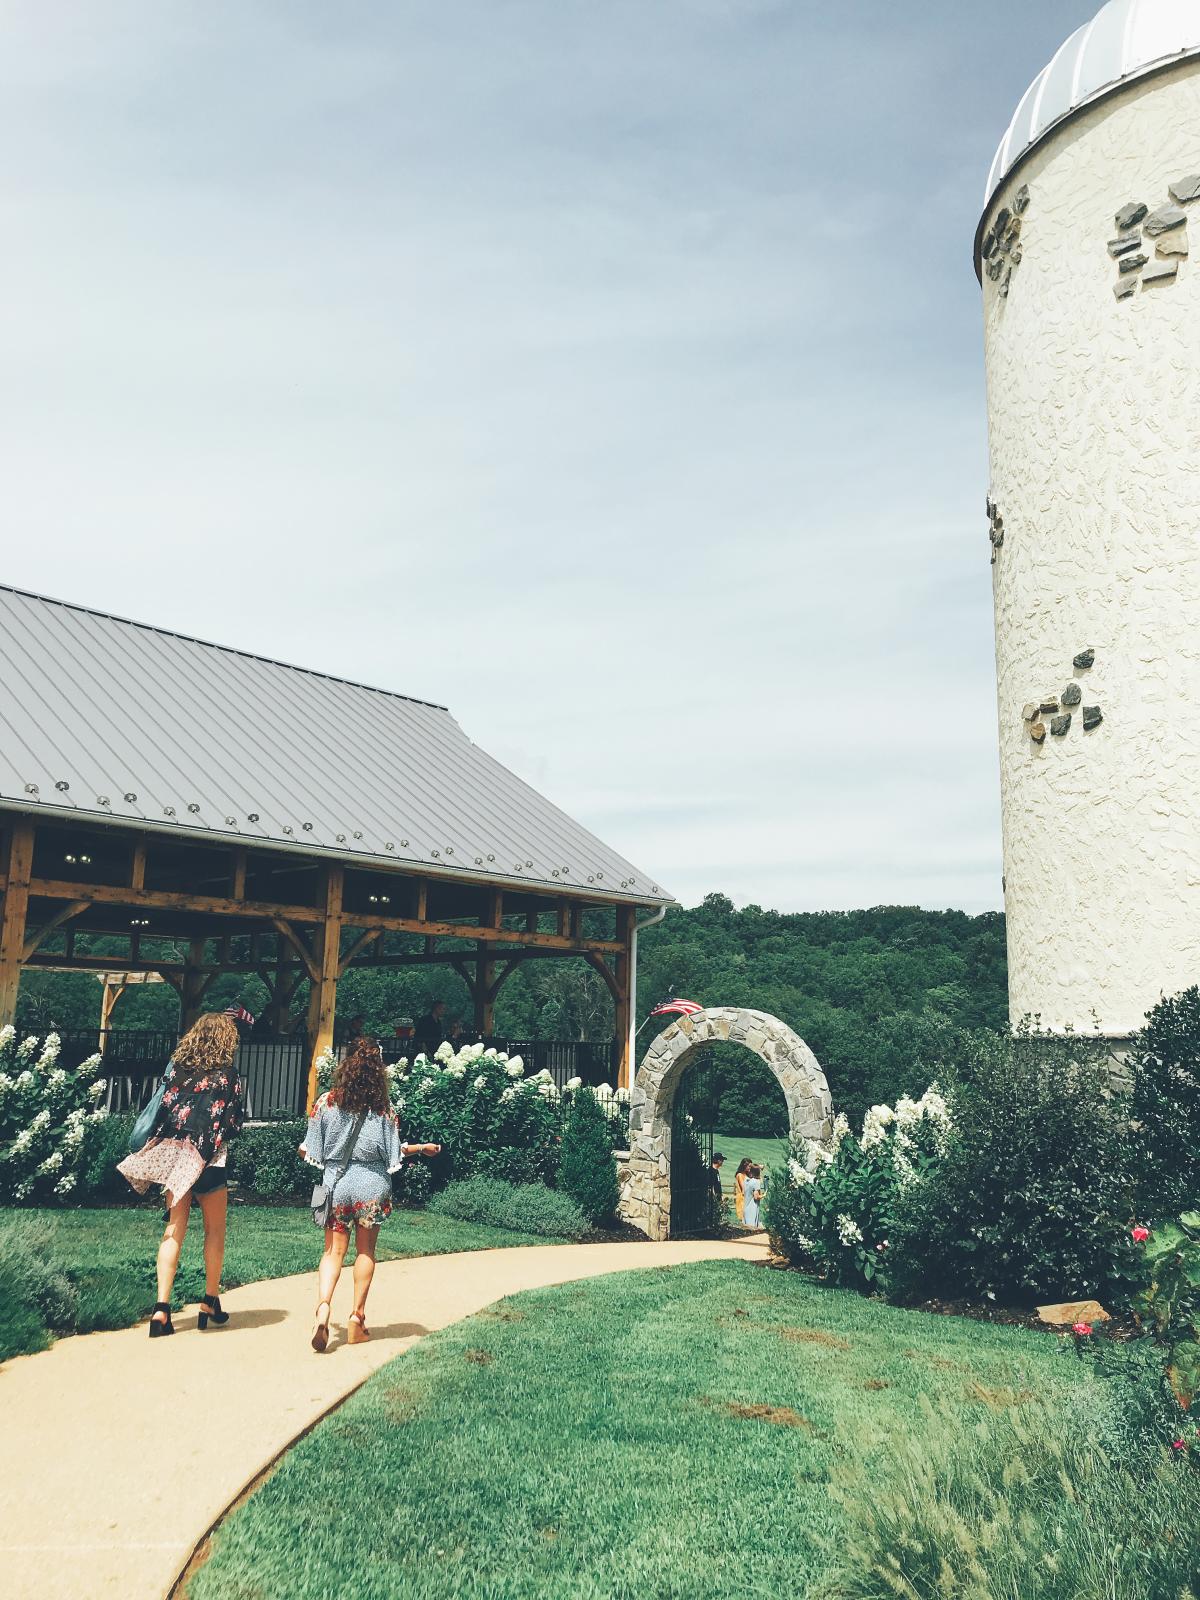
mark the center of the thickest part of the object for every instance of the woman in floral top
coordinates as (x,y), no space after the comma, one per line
(358,1168)
(186,1153)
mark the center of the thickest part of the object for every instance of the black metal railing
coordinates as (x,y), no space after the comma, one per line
(274,1069)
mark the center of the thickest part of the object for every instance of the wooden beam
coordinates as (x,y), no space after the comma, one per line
(137,865)
(165,900)
(322,997)
(267,911)
(422,899)
(71,909)
(293,938)
(598,964)
(564,919)
(506,973)
(12,921)
(239,874)
(359,945)
(495,908)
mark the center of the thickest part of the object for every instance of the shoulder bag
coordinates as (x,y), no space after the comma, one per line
(144,1126)
(322,1195)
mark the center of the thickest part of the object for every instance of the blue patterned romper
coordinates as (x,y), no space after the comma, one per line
(363,1194)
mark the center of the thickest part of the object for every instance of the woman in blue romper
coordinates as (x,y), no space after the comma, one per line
(360,1177)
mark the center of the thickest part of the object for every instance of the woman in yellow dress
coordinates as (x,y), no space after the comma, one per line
(739,1188)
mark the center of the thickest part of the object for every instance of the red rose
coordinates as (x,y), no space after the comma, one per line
(1140,1235)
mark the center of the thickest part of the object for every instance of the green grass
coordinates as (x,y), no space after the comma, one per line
(668,1433)
(109,1255)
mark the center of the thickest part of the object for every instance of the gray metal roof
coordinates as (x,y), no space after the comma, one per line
(114,720)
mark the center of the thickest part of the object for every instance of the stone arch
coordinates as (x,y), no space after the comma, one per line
(646,1177)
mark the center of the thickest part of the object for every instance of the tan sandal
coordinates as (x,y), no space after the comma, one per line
(356,1328)
(320,1337)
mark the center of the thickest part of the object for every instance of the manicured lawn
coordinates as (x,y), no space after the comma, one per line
(109,1254)
(669,1433)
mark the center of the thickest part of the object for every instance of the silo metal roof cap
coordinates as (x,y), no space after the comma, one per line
(1125,40)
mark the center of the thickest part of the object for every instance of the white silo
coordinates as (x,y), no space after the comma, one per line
(1092,338)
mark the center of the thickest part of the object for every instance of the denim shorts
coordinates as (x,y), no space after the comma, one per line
(210,1180)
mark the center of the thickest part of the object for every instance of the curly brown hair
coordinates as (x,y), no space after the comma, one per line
(360,1082)
(209,1045)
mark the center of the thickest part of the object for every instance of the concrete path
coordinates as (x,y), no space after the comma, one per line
(120,1454)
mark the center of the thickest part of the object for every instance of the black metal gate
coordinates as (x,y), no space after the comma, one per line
(695,1201)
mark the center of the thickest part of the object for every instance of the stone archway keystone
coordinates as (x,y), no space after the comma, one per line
(646,1178)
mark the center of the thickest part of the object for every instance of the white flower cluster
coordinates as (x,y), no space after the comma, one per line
(848,1230)
(900,1123)
(44,1117)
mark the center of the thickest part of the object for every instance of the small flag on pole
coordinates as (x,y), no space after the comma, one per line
(683,1008)
(240,1014)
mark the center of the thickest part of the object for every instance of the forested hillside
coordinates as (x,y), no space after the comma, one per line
(874,993)
(871,991)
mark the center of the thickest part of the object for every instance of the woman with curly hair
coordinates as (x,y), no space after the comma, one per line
(353,1136)
(186,1153)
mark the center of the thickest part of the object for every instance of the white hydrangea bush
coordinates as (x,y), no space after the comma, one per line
(45,1113)
(836,1208)
(490,1116)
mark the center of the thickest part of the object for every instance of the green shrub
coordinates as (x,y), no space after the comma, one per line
(413,1184)
(1029,1507)
(586,1169)
(1164,1072)
(1170,1299)
(105,1144)
(837,1211)
(1033,1196)
(264,1161)
(479,1106)
(36,1296)
(519,1207)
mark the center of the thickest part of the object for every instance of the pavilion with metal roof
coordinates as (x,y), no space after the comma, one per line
(269,819)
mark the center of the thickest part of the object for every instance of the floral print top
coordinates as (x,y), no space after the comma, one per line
(207,1112)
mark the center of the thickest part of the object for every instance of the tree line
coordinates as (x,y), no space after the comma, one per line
(873,993)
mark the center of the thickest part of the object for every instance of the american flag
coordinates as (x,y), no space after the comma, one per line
(240,1014)
(684,1008)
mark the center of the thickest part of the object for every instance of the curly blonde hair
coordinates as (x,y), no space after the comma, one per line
(360,1082)
(209,1045)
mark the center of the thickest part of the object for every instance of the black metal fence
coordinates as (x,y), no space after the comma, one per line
(274,1069)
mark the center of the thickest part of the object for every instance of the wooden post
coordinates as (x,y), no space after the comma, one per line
(322,995)
(12,927)
(191,995)
(137,865)
(481,989)
(109,996)
(626,1066)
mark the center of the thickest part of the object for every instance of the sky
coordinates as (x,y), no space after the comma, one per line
(607,370)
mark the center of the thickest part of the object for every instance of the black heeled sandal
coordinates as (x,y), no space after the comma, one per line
(160,1330)
(213,1302)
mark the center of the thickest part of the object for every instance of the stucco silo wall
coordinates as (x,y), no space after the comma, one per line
(1094,419)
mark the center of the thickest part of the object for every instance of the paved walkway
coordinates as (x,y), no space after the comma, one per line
(120,1454)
